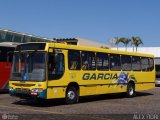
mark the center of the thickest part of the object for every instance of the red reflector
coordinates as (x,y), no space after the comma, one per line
(33,93)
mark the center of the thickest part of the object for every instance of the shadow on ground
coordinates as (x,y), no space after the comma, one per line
(59,102)
(4,91)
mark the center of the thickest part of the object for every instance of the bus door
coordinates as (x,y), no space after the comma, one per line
(55,64)
(56,70)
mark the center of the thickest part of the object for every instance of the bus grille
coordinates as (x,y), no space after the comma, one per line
(22,90)
(23,85)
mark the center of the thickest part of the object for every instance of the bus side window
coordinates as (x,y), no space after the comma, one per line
(115,63)
(3,54)
(74,60)
(102,61)
(157,67)
(126,62)
(55,66)
(151,64)
(9,56)
(88,61)
(59,65)
(10,53)
(136,63)
(145,64)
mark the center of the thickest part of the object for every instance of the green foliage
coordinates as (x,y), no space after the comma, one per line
(125,41)
(135,41)
(116,41)
(104,47)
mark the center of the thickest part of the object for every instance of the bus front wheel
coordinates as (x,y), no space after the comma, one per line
(131,90)
(72,95)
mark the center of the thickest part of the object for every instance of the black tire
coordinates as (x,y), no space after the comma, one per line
(130,90)
(41,101)
(72,95)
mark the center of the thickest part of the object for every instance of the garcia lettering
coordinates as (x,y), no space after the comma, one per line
(99,76)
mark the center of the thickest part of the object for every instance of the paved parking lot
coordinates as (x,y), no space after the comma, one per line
(110,106)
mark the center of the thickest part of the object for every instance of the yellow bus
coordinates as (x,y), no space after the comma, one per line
(56,70)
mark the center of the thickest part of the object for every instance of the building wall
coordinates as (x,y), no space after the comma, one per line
(84,42)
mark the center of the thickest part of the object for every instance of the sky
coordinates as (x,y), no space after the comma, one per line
(97,20)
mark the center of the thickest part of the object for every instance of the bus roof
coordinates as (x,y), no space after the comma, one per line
(84,48)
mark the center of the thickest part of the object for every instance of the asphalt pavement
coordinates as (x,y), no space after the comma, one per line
(110,106)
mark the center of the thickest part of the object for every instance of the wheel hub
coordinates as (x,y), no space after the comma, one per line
(131,91)
(71,95)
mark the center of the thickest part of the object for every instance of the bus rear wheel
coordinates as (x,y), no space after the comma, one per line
(72,95)
(131,90)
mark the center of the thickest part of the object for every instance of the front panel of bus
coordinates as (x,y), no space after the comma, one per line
(28,76)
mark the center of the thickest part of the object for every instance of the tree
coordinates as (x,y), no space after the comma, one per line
(104,47)
(117,41)
(125,41)
(136,41)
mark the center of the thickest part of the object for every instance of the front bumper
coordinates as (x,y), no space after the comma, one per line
(28,94)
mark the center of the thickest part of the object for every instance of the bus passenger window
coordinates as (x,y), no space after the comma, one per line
(144,64)
(157,67)
(88,61)
(151,64)
(6,54)
(102,61)
(55,66)
(3,54)
(59,66)
(74,60)
(115,63)
(126,62)
(136,63)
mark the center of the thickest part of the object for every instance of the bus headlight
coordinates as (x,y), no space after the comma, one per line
(37,90)
(11,89)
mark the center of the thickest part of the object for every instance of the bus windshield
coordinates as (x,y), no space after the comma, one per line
(28,66)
